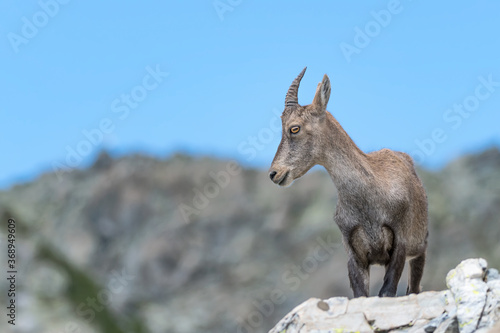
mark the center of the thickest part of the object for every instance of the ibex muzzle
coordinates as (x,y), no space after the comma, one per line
(382,205)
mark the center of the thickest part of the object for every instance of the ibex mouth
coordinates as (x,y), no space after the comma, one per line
(281,181)
(279,178)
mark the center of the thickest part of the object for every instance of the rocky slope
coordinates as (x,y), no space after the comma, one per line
(138,244)
(472,304)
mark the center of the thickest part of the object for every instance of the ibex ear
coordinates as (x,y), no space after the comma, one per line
(322,94)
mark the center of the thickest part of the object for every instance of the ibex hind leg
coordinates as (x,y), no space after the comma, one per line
(415,274)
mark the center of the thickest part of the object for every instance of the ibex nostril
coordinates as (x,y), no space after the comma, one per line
(272,174)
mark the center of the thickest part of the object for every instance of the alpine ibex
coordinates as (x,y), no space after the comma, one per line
(382,204)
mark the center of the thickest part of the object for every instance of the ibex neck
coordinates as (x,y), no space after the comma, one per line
(347,165)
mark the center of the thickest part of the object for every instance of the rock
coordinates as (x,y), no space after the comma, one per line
(315,315)
(477,294)
(449,325)
(362,314)
(466,283)
(471,305)
(492,304)
(495,329)
(385,313)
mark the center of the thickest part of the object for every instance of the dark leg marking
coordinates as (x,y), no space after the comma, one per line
(393,271)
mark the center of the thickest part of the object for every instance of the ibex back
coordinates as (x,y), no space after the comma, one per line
(382,205)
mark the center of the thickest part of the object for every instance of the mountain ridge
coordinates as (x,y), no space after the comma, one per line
(248,244)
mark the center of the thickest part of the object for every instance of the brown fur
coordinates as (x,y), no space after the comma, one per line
(382,205)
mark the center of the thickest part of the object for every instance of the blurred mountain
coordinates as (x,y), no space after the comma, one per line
(138,244)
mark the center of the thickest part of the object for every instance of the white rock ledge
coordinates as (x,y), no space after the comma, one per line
(472,304)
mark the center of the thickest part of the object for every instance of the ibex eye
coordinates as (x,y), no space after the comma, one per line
(295,129)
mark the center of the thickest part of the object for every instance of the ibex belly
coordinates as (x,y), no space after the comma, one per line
(372,246)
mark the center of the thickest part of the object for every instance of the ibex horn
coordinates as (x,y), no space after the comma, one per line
(291,96)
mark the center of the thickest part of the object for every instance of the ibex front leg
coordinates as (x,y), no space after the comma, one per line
(393,271)
(359,276)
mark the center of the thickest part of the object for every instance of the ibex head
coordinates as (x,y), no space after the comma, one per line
(301,144)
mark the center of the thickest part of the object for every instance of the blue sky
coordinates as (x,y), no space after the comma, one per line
(210,77)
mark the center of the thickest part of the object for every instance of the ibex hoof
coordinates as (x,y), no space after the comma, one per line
(386,293)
